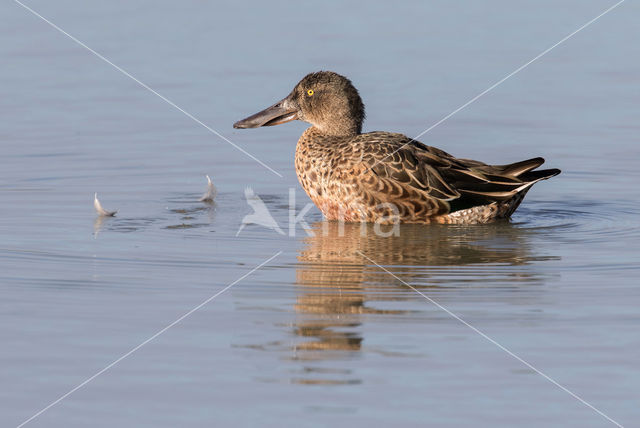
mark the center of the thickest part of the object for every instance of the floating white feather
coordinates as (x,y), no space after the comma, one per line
(101,211)
(211,192)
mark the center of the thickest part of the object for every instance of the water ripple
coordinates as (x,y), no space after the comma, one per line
(582,221)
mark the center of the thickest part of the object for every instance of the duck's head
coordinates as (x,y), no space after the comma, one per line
(325,99)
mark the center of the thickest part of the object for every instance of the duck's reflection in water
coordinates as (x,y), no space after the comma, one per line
(339,286)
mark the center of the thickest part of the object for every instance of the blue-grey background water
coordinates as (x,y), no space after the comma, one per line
(320,335)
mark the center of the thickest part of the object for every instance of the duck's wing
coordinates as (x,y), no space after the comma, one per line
(412,170)
(397,171)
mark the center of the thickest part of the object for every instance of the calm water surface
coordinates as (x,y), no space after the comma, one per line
(320,335)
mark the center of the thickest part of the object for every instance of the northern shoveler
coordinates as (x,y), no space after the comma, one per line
(386,177)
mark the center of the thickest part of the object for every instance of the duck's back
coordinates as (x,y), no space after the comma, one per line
(386,177)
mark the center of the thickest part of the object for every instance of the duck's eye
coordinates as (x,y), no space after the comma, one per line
(310,92)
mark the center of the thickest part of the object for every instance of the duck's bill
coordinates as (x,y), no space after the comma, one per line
(280,112)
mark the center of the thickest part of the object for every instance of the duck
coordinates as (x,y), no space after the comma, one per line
(384,177)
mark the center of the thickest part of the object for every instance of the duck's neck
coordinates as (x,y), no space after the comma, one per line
(313,136)
(343,128)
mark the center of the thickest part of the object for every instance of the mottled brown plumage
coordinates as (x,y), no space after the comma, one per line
(385,177)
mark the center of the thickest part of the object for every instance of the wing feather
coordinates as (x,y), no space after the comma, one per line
(406,171)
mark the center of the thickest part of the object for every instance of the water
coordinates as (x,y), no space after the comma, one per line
(319,335)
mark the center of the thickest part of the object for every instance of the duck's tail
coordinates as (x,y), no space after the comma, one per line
(505,184)
(530,177)
(524,170)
